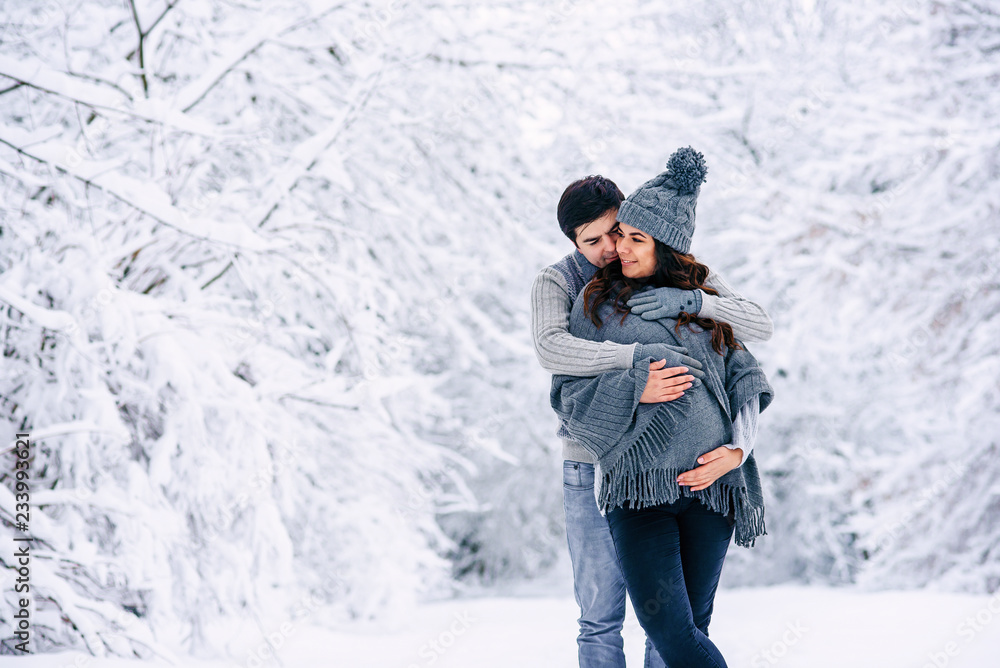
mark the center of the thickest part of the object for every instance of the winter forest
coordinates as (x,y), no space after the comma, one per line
(264,277)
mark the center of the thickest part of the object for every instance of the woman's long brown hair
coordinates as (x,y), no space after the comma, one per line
(673,270)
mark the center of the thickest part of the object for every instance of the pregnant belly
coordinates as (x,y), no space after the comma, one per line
(702,427)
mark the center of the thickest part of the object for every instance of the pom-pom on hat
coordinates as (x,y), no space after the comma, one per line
(663,207)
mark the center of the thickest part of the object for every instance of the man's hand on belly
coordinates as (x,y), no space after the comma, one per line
(665,384)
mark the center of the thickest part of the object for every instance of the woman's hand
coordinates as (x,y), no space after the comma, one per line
(714,464)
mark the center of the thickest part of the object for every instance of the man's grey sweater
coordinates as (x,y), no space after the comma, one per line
(552,296)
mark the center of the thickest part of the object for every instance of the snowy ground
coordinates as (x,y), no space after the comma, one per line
(788,626)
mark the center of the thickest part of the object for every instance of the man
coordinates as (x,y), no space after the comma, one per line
(587,215)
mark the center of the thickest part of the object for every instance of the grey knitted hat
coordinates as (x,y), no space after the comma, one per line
(663,207)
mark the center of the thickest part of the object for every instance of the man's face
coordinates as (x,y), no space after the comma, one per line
(596,239)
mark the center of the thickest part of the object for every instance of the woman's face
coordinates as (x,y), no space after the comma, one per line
(637,252)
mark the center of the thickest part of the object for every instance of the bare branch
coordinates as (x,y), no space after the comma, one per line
(218,276)
(152,27)
(71,87)
(308,153)
(145,202)
(10,88)
(139,49)
(197,90)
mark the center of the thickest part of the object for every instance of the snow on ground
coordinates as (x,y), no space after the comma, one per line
(786,626)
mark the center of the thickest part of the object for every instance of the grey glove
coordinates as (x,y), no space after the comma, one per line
(665,303)
(675,356)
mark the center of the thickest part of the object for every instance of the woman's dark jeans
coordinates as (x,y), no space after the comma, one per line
(671,557)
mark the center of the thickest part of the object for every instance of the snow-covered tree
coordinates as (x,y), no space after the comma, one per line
(265,270)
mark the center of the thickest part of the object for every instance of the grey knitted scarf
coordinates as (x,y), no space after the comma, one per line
(642,448)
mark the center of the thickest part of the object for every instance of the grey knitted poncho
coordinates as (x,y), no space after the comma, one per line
(642,448)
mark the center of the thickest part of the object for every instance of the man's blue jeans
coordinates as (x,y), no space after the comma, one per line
(597,575)
(671,558)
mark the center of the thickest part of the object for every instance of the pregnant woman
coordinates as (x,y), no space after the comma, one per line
(674,479)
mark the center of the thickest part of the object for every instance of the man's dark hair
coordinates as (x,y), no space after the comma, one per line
(585,201)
